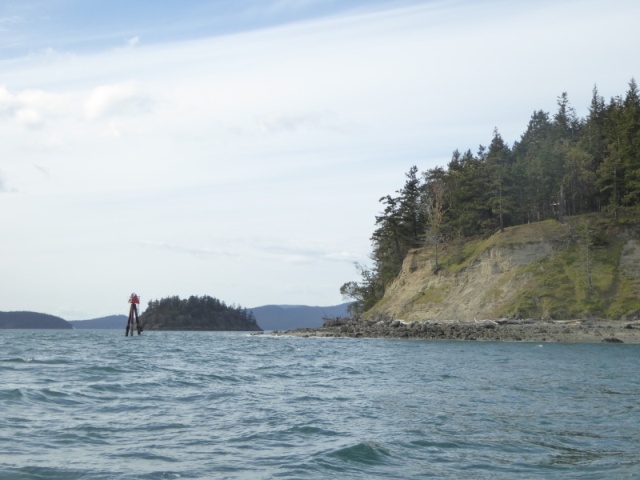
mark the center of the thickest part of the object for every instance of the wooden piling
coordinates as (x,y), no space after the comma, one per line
(133,321)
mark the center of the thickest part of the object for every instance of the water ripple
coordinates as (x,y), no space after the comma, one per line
(94,405)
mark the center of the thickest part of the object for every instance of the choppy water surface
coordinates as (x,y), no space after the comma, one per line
(97,405)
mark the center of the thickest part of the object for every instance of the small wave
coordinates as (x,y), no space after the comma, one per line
(188,379)
(368,453)
(45,395)
(308,430)
(305,399)
(146,456)
(41,473)
(114,388)
(435,445)
(350,371)
(38,361)
(17,360)
(105,370)
(13,394)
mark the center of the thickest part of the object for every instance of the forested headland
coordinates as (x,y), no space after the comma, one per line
(563,165)
(196,313)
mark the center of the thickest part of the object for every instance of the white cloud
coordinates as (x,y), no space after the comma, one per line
(29,117)
(43,170)
(31,107)
(121,99)
(7,101)
(133,41)
(8,22)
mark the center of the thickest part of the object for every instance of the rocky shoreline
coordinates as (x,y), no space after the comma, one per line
(539,331)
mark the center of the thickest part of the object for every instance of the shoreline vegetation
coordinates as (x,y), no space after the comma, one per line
(534,331)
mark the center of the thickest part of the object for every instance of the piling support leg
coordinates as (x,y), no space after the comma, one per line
(126,333)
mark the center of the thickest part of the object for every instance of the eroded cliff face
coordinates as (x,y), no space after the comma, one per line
(493,283)
(476,292)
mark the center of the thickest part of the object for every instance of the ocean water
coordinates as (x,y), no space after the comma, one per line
(168,405)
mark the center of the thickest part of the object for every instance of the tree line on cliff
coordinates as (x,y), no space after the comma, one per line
(562,165)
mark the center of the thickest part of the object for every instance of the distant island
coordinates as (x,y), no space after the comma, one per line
(111,322)
(197,313)
(32,320)
(287,317)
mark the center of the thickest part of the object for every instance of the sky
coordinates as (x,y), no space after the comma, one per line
(238,149)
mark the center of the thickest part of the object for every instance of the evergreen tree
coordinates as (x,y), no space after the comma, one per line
(594,142)
(579,180)
(411,219)
(534,156)
(610,173)
(468,179)
(499,167)
(630,148)
(565,122)
(388,251)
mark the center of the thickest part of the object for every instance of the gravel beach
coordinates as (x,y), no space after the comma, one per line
(569,331)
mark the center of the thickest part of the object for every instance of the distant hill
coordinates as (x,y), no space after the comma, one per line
(32,320)
(172,314)
(196,313)
(112,322)
(288,317)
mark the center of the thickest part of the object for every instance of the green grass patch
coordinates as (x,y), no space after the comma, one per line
(431,295)
(625,299)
